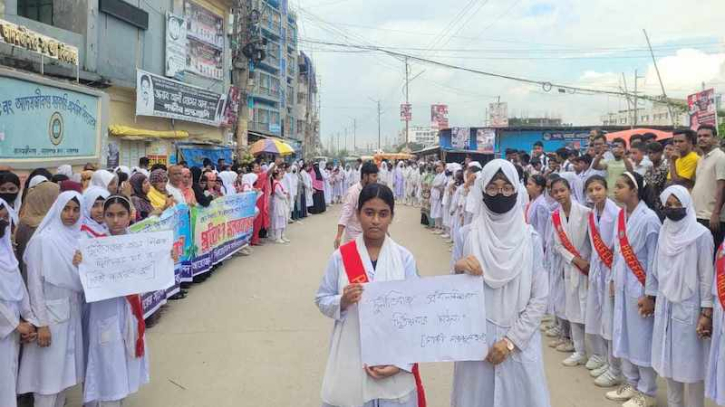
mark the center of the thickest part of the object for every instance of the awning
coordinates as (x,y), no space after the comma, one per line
(132,133)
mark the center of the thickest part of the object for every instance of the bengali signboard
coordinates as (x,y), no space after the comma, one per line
(498,115)
(23,37)
(177,220)
(205,35)
(433,319)
(439,117)
(485,140)
(702,109)
(40,122)
(175,46)
(221,229)
(163,97)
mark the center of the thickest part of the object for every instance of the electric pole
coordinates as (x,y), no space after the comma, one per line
(662,85)
(636,97)
(354,130)
(407,106)
(379,113)
(345,145)
(240,62)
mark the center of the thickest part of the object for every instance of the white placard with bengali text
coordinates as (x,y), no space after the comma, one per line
(433,319)
(117,266)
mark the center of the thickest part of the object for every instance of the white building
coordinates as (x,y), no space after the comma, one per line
(424,135)
(656,114)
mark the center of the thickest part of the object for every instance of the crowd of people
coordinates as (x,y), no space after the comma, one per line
(51,339)
(614,252)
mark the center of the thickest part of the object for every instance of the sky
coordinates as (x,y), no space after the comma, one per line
(584,43)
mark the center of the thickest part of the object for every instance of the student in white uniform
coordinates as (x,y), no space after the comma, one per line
(600,301)
(634,253)
(681,279)
(571,241)
(436,197)
(117,353)
(537,212)
(54,362)
(715,378)
(508,253)
(15,312)
(347,382)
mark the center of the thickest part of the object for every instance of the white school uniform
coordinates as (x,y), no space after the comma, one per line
(681,279)
(345,383)
(56,299)
(14,303)
(600,304)
(715,368)
(515,288)
(436,196)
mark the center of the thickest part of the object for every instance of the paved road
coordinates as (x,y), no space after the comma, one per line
(252,336)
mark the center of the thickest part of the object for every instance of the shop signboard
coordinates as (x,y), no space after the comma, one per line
(40,122)
(163,97)
(23,37)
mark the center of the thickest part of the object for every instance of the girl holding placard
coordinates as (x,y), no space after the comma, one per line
(54,362)
(502,247)
(373,256)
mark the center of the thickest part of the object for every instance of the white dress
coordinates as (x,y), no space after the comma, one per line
(520,380)
(715,378)
(113,371)
(575,283)
(10,313)
(631,333)
(347,326)
(600,303)
(280,207)
(436,196)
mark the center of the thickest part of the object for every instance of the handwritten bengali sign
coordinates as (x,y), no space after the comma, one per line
(117,266)
(435,319)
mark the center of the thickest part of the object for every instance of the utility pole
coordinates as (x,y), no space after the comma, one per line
(354,130)
(407,101)
(345,145)
(659,77)
(379,113)
(242,10)
(629,102)
(636,97)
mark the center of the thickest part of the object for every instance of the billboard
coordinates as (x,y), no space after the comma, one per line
(485,140)
(406,112)
(498,115)
(205,39)
(175,46)
(439,117)
(460,137)
(702,109)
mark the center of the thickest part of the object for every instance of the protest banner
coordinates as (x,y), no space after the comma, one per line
(435,319)
(221,229)
(177,220)
(116,266)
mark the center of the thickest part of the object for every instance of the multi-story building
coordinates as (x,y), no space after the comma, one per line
(657,114)
(275,78)
(424,135)
(84,86)
(308,121)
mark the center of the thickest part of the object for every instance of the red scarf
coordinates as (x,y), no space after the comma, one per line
(720,275)
(604,252)
(627,252)
(564,239)
(356,274)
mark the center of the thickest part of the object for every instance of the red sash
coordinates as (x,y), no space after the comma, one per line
(604,252)
(720,275)
(85,228)
(356,274)
(627,252)
(526,213)
(556,218)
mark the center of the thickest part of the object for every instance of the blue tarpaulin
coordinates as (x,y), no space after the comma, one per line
(195,155)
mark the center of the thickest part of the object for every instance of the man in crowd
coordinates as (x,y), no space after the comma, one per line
(176,183)
(614,167)
(707,194)
(657,177)
(143,166)
(538,153)
(638,154)
(683,161)
(349,224)
(562,157)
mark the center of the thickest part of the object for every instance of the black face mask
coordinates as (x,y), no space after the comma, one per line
(9,197)
(499,203)
(675,214)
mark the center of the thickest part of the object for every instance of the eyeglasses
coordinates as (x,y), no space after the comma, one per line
(508,190)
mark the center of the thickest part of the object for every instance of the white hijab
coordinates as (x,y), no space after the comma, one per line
(102,178)
(53,246)
(228,178)
(66,170)
(11,282)
(576,186)
(90,196)
(677,251)
(38,179)
(248,181)
(502,244)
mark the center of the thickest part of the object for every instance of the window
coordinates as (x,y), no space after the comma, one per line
(38,10)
